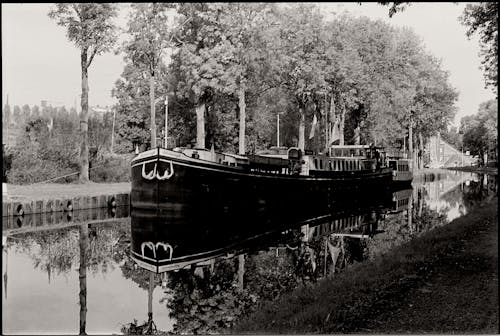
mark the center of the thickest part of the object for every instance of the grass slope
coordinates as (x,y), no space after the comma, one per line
(445,281)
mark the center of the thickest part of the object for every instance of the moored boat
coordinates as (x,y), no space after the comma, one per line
(289,184)
(402,174)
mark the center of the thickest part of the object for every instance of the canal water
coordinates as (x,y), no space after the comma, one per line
(89,271)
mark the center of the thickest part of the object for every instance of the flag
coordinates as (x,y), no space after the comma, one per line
(50,125)
(335,134)
(313,127)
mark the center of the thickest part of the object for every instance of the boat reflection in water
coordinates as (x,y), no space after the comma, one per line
(213,272)
(162,243)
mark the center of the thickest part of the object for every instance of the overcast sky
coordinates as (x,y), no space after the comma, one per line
(39,63)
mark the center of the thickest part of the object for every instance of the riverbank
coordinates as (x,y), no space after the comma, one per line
(54,197)
(34,192)
(445,281)
(479,170)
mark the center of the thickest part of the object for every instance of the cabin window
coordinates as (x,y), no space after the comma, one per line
(321,164)
(316,163)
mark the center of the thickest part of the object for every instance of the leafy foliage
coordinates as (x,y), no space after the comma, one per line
(482,18)
(47,148)
(480,132)
(88,25)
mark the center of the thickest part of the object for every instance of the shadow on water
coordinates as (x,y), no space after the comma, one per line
(200,274)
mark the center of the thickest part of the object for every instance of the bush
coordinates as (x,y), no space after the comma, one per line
(28,170)
(111,168)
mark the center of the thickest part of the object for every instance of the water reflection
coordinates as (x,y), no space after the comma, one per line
(148,273)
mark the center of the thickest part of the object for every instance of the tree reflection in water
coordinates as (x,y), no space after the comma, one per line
(57,251)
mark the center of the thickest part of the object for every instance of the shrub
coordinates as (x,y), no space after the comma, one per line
(111,168)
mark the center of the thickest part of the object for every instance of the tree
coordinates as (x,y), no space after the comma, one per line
(149,31)
(200,60)
(242,25)
(298,49)
(482,18)
(26,112)
(90,27)
(480,132)
(395,6)
(7,114)
(16,114)
(35,111)
(133,108)
(474,139)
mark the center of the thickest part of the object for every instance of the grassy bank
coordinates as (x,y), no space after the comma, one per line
(445,281)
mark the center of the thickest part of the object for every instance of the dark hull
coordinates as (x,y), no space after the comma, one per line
(399,185)
(219,194)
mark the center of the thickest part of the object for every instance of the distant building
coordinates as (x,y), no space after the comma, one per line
(444,155)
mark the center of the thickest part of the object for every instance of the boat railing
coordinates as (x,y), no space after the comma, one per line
(213,156)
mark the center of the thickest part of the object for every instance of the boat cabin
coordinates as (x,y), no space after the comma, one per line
(349,158)
(293,161)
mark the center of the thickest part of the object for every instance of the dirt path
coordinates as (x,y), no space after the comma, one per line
(54,190)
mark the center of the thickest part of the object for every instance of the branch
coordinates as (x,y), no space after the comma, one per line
(75,7)
(173,35)
(94,52)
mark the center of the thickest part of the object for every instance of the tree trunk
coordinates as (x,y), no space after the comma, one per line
(84,121)
(84,236)
(410,213)
(241,271)
(152,108)
(357,135)
(200,124)
(302,127)
(331,121)
(151,288)
(420,151)
(242,106)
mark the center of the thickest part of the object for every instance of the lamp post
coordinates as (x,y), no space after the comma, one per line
(166,121)
(278,130)
(113,130)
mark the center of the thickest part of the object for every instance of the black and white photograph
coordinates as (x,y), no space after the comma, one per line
(249,168)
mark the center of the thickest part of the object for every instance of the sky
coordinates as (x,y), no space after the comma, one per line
(39,63)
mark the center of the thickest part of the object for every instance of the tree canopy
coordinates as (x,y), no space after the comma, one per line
(239,65)
(482,18)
